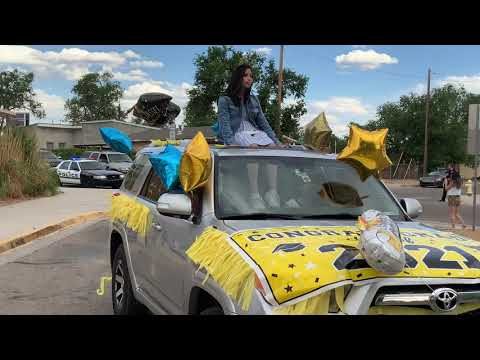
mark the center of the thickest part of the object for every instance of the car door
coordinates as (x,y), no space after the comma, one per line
(166,255)
(136,243)
(74,173)
(63,172)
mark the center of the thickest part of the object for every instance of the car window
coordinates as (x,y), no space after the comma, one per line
(74,166)
(434,173)
(119,158)
(103,158)
(65,165)
(94,156)
(153,187)
(92,165)
(133,174)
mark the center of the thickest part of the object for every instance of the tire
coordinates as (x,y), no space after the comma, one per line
(212,311)
(124,303)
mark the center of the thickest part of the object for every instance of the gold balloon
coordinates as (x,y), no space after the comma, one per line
(196,164)
(317,134)
(366,152)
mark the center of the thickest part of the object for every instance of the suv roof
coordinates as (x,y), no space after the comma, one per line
(222,151)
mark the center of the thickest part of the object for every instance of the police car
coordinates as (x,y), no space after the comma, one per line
(87,173)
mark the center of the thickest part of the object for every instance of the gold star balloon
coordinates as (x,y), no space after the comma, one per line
(366,152)
(196,164)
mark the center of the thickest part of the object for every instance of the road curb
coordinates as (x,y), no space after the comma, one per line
(23,239)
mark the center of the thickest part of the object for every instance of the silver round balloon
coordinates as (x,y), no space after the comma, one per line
(380,242)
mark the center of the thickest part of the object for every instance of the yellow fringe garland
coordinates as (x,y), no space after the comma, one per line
(135,215)
(164,142)
(212,252)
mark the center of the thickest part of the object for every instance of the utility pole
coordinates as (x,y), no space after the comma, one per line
(279,95)
(427,108)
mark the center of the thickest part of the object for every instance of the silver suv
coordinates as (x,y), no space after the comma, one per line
(113,160)
(153,272)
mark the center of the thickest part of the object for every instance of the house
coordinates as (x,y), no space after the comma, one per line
(87,134)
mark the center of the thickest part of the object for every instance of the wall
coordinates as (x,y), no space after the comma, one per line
(91,132)
(55,135)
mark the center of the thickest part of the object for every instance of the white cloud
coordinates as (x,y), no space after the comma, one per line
(264,51)
(132,75)
(53,105)
(147,64)
(359,46)
(339,111)
(364,59)
(178,92)
(70,63)
(471,83)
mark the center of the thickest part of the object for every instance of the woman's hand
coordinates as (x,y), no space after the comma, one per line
(253,146)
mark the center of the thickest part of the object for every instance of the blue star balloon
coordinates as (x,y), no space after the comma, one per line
(117,140)
(167,166)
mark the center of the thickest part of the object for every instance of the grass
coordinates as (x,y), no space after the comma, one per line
(22,172)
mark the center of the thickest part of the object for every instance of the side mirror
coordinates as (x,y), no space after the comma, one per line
(176,204)
(412,207)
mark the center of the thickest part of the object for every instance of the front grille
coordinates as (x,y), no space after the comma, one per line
(113,177)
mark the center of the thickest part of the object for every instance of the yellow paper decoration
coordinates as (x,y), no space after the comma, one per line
(135,215)
(158,143)
(366,151)
(196,164)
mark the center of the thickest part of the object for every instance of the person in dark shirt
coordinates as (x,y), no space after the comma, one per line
(450,173)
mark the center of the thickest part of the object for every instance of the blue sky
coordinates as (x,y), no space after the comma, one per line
(348,82)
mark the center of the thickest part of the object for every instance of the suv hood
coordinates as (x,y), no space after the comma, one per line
(120,165)
(295,260)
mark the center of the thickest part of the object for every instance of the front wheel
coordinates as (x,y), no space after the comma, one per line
(124,302)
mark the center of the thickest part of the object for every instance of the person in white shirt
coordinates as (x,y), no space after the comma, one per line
(454,192)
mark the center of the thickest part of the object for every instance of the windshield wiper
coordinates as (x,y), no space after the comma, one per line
(261,216)
(330,216)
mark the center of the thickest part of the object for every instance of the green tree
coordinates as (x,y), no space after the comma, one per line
(16,93)
(96,97)
(448,122)
(213,70)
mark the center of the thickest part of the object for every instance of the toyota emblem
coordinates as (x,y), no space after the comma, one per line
(443,300)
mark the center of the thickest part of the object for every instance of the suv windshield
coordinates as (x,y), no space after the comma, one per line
(307,187)
(434,173)
(92,165)
(119,158)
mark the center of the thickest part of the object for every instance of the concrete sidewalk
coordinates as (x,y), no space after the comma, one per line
(31,215)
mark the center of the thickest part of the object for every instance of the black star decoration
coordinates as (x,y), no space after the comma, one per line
(288,289)
(291,266)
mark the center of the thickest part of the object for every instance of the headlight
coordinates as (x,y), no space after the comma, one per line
(122,176)
(100,177)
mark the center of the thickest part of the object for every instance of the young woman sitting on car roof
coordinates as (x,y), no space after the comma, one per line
(242,123)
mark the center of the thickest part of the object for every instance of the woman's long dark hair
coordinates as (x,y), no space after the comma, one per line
(236,84)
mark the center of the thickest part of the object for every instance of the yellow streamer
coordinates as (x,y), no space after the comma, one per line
(135,215)
(101,289)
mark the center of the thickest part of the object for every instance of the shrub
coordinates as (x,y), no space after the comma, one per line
(22,171)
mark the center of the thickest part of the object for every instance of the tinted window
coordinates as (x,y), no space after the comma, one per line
(92,165)
(119,158)
(134,172)
(74,166)
(153,187)
(65,165)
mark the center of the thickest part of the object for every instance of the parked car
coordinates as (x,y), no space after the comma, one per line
(435,178)
(52,159)
(88,173)
(154,272)
(114,160)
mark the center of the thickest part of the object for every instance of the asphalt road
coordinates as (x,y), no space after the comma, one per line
(58,274)
(434,210)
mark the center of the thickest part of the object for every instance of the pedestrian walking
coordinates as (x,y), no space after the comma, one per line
(450,171)
(454,192)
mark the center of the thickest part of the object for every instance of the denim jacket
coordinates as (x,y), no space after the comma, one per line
(230,115)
